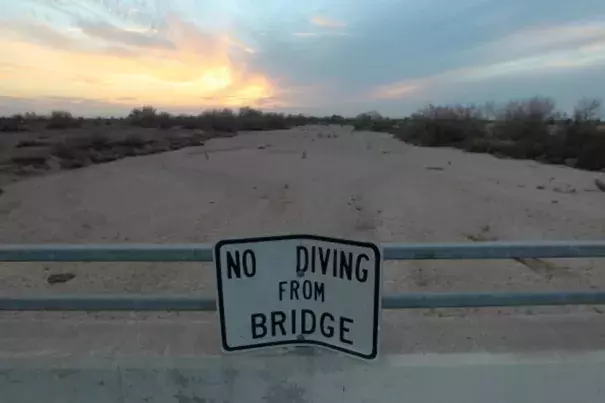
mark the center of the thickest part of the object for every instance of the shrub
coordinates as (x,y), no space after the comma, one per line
(251,119)
(62,120)
(15,123)
(337,119)
(531,128)
(445,126)
(586,143)
(587,110)
(145,116)
(370,121)
(220,120)
(134,141)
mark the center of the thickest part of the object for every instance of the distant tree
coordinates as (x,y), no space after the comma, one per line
(536,109)
(371,115)
(337,119)
(587,110)
(62,120)
(145,116)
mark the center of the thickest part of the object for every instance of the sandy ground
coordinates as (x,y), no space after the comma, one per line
(328,181)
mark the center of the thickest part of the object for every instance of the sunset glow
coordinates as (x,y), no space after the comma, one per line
(197,70)
(105,57)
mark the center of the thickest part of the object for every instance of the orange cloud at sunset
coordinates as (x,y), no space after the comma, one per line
(184,68)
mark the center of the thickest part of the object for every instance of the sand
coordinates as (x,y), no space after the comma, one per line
(324,180)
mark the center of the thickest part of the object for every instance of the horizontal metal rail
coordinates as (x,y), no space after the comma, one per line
(194,303)
(203,252)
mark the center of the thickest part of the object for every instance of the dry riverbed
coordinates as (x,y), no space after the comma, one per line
(322,180)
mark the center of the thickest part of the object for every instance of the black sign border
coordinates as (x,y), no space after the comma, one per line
(377,294)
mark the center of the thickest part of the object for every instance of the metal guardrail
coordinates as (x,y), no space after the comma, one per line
(203,253)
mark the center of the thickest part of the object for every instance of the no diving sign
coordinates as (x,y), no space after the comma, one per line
(299,290)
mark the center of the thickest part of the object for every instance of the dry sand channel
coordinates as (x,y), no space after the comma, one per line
(324,180)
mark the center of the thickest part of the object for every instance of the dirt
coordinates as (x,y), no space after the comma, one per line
(315,179)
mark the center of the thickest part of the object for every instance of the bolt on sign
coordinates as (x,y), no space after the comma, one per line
(299,290)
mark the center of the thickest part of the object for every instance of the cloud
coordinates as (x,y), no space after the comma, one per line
(326,22)
(542,39)
(307,34)
(180,68)
(39,33)
(531,51)
(132,37)
(348,55)
(319,34)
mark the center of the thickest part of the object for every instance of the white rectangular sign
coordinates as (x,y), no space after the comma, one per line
(299,290)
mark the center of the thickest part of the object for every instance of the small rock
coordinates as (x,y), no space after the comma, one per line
(60,278)
(554,201)
(435,168)
(1,191)
(304,155)
(600,184)
(540,187)
(261,147)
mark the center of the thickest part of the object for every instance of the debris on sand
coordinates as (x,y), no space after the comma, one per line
(304,155)
(540,187)
(600,184)
(568,189)
(60,278)
(435,168)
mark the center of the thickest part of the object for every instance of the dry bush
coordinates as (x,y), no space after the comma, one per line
(145,116)
(15,123)
(63,120)
(531,129)
(434,125)
(587,110)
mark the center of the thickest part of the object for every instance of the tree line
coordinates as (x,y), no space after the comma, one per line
(528,129)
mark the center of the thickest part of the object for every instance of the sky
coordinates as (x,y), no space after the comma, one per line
(104,57)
